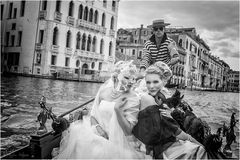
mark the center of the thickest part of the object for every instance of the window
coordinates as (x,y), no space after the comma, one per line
(71,8)
(22,8)
(140,54)
(67,59)
(110,49)
(68,41)
(121,50)
(85,16)
(135,41)
(53,60)
(96,17)
(93,65)
(100,66)
(14,26)
(84,41)
(40,38)
(55,36)
(113,5)
(12,40)
(91,15)
(80,12)
(44,5)
(101,46)
(58,6)
(38,70)
(112,23)
(38,58)
(89,42)
(7,38)
(10,10)
(77,63)
(133,52)
(15,13)
(104,3)
(180,43)
(19,38)
(103,19)
(94,44)
(2,8)
(187,44)
(78,40)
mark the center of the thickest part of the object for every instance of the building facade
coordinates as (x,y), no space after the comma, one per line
(197,67)
(233,81)
(76,38)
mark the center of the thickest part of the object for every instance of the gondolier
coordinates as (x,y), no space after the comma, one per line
(159,47)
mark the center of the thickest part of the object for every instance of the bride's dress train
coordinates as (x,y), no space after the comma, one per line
(81,140)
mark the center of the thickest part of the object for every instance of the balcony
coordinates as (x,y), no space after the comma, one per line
(88,54)
(55,48)
(42,14)
(68,51)
(90,25)
(58,16)
(110,58)
(70,20)
(112,32)
(39,46)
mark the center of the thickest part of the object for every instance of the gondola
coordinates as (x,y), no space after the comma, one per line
(42,143)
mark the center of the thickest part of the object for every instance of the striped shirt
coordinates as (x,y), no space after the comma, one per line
(152,54)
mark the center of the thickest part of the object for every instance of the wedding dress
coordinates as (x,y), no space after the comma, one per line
(82,141)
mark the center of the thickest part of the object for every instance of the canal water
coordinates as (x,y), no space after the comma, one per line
(20,97)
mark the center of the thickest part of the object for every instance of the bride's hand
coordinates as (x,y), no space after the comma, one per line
(101,132)
(120,103)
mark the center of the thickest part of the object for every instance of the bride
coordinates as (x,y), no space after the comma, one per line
(106,133)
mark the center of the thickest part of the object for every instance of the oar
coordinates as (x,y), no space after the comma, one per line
(77,107)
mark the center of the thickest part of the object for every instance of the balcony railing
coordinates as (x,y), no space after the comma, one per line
(112,32)
(88,54)
(58,16)
(70,20)
(39,46)
(90,25)
(55,48)
(68,51)
(110,58)
(42,14)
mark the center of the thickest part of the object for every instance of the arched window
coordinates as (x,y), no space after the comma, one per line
(96,17)
(44,5)
(187,44)
(93,65)
(94,44)
(101,46)
(112,23)
(69,37)
(133,52)
(110,49)
(55,36)
(78,40)
(71,8)
(103,19)
(140,54)
(80,12)
(180,43)
(84,41)
(85,16)
(91,15)
(58,6)
(89,42)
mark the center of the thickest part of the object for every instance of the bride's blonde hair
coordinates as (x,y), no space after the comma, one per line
(161,69)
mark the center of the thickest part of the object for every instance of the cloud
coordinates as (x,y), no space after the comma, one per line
(228,53)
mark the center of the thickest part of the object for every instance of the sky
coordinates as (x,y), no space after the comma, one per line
(217,22)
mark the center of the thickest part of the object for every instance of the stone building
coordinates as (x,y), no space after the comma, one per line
(233,81)
(74,38)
